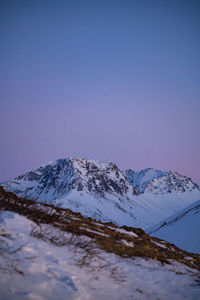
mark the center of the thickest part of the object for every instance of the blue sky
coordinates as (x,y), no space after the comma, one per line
(109,80)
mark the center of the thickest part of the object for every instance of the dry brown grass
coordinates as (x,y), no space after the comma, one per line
(105,237)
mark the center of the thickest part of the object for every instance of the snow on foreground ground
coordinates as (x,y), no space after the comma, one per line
(34,268)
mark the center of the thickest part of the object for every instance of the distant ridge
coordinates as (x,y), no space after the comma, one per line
(181,228)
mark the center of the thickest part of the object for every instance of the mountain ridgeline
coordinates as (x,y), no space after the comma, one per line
(181,228)
(102,191)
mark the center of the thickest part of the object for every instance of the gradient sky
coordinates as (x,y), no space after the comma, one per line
(109,80)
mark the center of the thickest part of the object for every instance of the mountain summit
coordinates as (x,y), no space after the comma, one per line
(102,191)
(159,182)
(59,178)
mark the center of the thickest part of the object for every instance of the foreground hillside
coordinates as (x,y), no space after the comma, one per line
(181,229)
(102,191)
(54,253)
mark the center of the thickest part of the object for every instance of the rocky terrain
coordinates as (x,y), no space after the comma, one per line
(160,182)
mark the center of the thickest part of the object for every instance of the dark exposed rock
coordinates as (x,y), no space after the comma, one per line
(79,187)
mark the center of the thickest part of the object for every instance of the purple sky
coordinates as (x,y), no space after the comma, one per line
(110,80)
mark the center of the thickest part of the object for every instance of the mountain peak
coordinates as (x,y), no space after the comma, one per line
(102,191)
(60,177)
(159,182)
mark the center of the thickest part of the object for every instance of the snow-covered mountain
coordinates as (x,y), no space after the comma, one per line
(102,191)
(181,229)
(159,182)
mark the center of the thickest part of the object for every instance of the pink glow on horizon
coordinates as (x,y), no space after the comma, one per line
(107,80)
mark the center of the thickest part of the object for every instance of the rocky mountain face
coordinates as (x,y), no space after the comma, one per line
(160,182)
(102,191)
(57,179)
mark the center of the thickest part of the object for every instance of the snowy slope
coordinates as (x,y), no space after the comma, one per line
(182,229)
(36,266)
(160,182)
(59,178)
(102,191)
(139,179)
